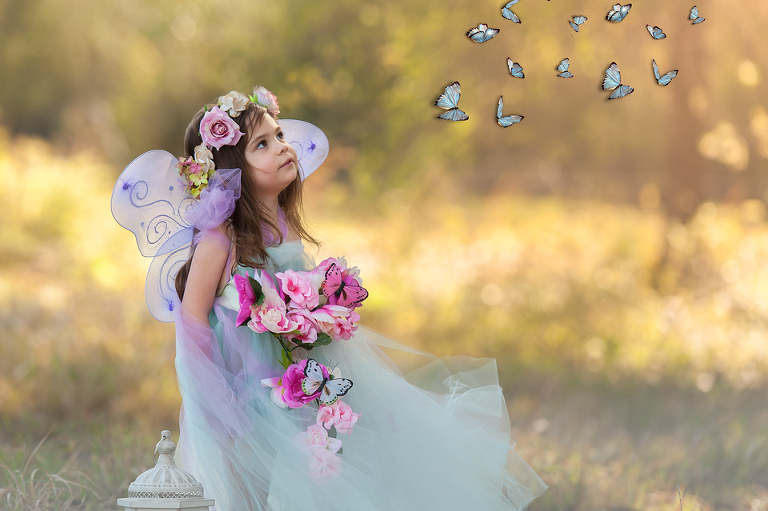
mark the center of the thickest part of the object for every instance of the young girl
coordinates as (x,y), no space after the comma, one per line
(436,438)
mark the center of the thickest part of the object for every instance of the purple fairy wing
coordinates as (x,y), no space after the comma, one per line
(309,141)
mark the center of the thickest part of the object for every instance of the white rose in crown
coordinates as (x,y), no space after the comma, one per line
(204,157)
(233,103)
(263,97)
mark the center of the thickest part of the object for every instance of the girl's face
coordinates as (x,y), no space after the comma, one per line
(272,160)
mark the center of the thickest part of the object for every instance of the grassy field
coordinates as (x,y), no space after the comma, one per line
(631,346)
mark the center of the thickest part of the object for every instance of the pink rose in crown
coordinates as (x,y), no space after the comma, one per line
(294,396)
(324,464)
(307,329)
(298,287)
(218,129)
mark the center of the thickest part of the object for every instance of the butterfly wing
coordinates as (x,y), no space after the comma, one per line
(579,20)
(332,281)
(624,10)
(511,3)
(314,377)
(515,70)
(656,70)
(500,108)
(567,74)
(697,21)
(656,32)
(334,389)
(454,115)
(694,13)
(564,65)
(490,33)
(450,98)
(612,77)
(621,91)
(574,26)
(664,80)
(511,16)
(352,295)
(509,120)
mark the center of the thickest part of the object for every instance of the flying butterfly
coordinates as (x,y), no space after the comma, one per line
(449,100)
(663,80)
(695,16)
(618,13)
(331,389)
(509,14)
(563,68)
(515,70)
(482,33)
(612,81)
(656,32)
(347,291)
(577,20)
(509,120)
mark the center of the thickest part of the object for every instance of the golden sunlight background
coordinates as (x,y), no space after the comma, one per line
(612,256)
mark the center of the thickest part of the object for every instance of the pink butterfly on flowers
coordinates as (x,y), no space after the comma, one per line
(341,288)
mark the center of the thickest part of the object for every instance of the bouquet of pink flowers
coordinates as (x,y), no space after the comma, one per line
(302,308)
(310,381)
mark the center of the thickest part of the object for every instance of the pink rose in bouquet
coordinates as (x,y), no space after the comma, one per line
(271,315)
(339,415)
(324,464)
(218,129)
(294,395)
(298,287)
(276,384)
(316,439)
(306,328)
(336,321)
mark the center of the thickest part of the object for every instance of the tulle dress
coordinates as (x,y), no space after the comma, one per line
(436,438)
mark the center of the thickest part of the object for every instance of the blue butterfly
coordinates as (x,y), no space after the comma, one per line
(577,20)
(656,32)
(515,70)
(663,80)
(563,68)
(618,13)
(612,81)
(695,16)
(509,14)
(450,101)
(509,120)
(482,33)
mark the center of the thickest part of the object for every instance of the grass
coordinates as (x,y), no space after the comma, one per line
(631,346)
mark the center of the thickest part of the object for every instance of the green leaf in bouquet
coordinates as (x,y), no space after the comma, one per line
(332,432)
(323,339)
(256,290)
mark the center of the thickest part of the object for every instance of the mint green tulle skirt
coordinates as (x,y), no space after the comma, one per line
(434,438)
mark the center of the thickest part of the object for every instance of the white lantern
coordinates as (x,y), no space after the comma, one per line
(165,487)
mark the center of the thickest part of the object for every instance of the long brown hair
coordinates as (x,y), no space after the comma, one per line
(251,216)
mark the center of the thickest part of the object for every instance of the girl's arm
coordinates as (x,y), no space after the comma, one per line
(205,272)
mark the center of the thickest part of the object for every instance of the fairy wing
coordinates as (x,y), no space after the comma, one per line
(612,77)
(309,141)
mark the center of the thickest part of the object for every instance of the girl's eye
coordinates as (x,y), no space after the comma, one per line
(280,135)
(260,143)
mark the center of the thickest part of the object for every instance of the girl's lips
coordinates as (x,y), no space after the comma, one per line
(290,160)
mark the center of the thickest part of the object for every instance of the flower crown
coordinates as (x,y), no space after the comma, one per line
(217,128)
